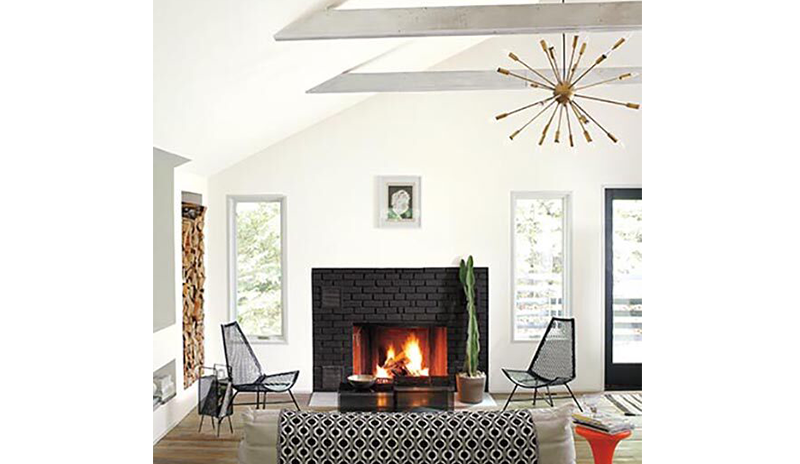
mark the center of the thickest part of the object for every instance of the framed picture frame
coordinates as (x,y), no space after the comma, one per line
(399,201)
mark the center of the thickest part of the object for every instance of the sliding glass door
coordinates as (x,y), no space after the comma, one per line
(623,288)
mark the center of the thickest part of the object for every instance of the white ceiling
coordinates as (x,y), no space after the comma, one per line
(223,89)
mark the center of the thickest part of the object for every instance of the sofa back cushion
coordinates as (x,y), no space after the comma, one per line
(554,430)
(259,445)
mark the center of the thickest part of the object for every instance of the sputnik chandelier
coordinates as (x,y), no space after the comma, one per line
(565,90)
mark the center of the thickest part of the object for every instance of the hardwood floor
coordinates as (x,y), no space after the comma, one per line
(185,445)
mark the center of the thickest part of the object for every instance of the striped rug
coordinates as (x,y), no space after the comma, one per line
(629,404)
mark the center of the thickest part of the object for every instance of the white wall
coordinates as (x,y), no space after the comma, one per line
(164,164)
(168,342)
(469,169)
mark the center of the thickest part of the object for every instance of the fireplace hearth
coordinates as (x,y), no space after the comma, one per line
(393,323)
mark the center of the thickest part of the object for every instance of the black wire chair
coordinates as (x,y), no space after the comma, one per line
(553,363)
(244,370)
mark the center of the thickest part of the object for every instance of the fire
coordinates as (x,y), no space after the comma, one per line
(408,362)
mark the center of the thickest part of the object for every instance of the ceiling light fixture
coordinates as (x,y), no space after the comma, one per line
(565,90)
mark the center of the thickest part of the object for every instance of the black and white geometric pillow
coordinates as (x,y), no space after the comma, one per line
(399,438)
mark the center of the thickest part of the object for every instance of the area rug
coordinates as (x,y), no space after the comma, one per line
(331,400)
(629,404)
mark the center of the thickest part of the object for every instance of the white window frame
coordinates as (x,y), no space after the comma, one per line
(567,228)
(232,200)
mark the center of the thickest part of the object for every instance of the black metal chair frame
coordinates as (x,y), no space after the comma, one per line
(541,381)
(259,386)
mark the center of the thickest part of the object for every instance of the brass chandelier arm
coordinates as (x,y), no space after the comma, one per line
(540,102)
(609,134)
(558,128)
(531,120)
(548,54)
(620,78)
(517,59)
(564,57)
(599,60)
(552,51)
(634,106)
(567,69)
(547,126)
(577,62)
(578,117)
(535,84)
(569,126)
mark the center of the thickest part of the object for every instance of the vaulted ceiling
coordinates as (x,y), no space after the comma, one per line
(224,89)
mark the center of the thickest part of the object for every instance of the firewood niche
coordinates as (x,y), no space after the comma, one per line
(194,276)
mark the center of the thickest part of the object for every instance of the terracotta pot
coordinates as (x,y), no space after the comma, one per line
(470,389)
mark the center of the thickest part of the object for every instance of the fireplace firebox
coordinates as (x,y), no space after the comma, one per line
(398,323)
(395,351)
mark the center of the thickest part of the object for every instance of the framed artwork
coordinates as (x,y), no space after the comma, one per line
(399,199)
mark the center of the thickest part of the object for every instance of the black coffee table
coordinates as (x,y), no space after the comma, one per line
(402,394)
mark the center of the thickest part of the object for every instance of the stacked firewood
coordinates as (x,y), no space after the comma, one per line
(194,276)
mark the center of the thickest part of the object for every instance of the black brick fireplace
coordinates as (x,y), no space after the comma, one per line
(413,297)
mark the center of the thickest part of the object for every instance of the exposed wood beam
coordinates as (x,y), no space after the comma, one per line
(438,81)
(466,20)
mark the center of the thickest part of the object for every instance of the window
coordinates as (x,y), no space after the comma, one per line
(257,253)
(540,267)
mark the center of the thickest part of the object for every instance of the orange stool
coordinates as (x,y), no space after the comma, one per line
(603,444)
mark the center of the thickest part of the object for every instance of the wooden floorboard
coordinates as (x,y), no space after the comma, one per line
(185,445)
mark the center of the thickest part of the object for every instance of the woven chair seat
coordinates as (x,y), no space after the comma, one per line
(528,380)
(272,383)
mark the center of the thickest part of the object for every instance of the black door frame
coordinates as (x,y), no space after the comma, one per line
(617,376)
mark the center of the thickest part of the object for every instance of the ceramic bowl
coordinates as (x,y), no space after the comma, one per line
(361,381)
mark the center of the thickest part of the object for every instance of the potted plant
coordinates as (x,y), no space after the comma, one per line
(471,382)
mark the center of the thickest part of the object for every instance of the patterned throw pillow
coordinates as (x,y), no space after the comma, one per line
(397,438)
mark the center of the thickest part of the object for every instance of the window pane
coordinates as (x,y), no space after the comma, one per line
(538,265)
(627,246)
(258,268)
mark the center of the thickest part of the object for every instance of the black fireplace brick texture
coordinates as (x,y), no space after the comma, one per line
(391,296)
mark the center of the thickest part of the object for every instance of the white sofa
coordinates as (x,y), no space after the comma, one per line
(553,426)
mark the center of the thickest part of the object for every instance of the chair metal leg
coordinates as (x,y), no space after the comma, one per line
(550,397)
(535,392)
(230,423)
(219,425)
(573,397)
(294,400)
(258,399)
(510,396)
(201,423)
